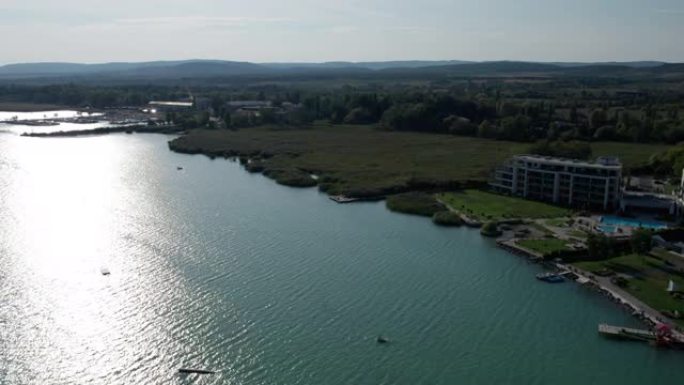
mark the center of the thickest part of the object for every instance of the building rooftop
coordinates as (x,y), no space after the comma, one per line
(170,103)
(249,103)
(601,162)
(672,236)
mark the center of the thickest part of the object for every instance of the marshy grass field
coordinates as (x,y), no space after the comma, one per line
(368,161)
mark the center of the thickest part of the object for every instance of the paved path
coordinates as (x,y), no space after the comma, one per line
(617,292)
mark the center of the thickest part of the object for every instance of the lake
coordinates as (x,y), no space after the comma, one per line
(215,268)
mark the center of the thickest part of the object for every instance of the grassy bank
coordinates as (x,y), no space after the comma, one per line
(416,203)
(544,246)
(485,206)
(365,161)
(649,277)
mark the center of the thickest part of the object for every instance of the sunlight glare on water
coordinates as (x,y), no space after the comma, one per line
(216,268)
(69,211)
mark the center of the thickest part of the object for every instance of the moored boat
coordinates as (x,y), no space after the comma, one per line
(195,371)
(550,277)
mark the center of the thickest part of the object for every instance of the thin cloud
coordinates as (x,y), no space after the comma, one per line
(670,11)
(344,29)
(201,20)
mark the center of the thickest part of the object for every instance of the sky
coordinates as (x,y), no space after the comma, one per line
(93,31)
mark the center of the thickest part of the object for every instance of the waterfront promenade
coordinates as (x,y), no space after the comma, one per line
(637,307)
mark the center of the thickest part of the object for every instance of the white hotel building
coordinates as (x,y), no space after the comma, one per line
(567,182)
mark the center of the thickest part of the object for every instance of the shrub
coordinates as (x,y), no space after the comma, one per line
(292,178)
(490,229)
(447,218)
(415,203)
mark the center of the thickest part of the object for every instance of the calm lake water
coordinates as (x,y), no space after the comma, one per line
(213,267)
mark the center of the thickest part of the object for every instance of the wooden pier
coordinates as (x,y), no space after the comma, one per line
(342,199)
(348,199)
(626,333)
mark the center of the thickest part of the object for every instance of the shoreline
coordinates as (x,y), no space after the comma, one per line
(108,130)
(638,309)
(647,315)
(644,313)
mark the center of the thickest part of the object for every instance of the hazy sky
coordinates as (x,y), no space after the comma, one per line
(353,30)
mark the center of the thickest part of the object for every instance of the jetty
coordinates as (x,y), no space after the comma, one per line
(342,199)
(348,199)
(626,333)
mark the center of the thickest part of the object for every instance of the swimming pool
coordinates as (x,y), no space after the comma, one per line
(612,220)
(607,229)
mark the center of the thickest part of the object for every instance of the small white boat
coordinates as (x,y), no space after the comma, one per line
(105,271)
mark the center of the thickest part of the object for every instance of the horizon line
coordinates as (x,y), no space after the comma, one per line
(347,61)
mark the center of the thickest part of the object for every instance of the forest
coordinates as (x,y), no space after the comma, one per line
(558,116)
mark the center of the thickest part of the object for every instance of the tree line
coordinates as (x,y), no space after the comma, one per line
(494,110)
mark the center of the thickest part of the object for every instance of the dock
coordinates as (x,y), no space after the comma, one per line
(348,199)
(626,333)
(342,199)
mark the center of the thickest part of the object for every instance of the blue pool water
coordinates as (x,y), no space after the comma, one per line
(610,221)
(608,229)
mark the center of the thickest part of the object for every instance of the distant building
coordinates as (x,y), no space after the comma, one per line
(165,106)
(248,104)
(568,182)
(678,196)
(672,240)
(646,202)
(202,103)
(644,194)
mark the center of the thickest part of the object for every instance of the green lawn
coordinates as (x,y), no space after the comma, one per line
(485,205)
(577,234)
(665,255)
(650,278)
(544,246)
(630,264)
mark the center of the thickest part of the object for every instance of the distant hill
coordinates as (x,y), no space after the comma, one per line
(206,69)
(631,64)
(153,69)
(193,69)
(42,68)
(494,68)
(379,65)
